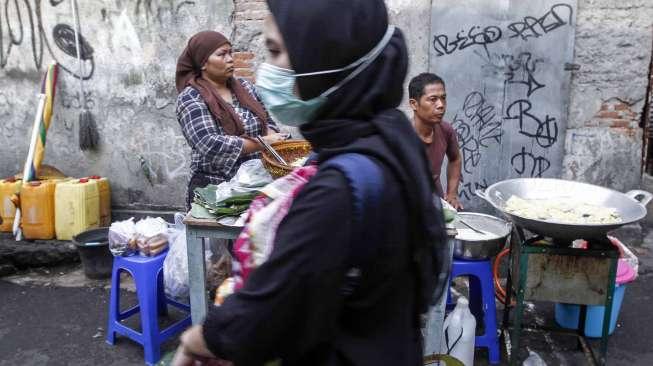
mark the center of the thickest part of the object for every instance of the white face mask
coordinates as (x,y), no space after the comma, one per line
(276,86)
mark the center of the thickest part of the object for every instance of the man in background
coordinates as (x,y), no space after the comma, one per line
(428,100)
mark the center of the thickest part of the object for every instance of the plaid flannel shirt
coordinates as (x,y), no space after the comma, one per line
(215,154)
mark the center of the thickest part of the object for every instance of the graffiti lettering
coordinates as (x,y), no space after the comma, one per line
(484,118)
(527,162)
(528,27)
(521,70)
(518,70)
(544,132)
(468,145)
(23,22)
(466,189)
(475,36)
(476,126)
(151,10)
(531,27)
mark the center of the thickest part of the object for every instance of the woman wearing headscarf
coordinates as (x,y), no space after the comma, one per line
(220,116)
(342,85)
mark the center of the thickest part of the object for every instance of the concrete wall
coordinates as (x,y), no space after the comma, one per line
(613,50)
(413,17)
(130,90)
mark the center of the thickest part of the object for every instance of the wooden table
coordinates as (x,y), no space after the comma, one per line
(196,231)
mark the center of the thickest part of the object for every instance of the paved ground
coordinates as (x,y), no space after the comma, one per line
(49,320)
(57,317)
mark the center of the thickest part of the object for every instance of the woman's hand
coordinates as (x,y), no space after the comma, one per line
(251,145)
(182,357)
(192,349)
(275,137)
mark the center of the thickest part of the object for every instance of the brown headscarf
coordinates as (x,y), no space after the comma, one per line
(189,72)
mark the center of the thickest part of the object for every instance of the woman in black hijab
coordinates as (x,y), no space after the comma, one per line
(293,307)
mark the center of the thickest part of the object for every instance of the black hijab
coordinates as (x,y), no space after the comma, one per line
(362,116)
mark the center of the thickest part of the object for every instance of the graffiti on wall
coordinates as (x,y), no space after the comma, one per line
(23,29)
(558,15)
(159,10)
(509,106)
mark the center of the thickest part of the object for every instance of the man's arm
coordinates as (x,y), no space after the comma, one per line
(454,171)
(454,168)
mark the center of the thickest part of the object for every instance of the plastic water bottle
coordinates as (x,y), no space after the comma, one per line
(459,333)
(533,360)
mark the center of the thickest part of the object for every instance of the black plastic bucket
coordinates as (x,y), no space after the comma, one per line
(93,248)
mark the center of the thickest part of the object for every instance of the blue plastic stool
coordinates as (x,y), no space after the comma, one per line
(481,301)
(152,302)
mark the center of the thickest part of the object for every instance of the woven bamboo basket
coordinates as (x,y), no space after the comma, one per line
(290,151)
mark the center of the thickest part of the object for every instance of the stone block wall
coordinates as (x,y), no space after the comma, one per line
(244,65)
(613,49)
(248,27)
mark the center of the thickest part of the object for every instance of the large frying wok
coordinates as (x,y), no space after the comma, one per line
(631,206)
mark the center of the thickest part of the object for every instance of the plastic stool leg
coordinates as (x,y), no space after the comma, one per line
(455,272)
(114,304)
(476,304)
(490,314)
(449,304)
(147,298)
(161,295)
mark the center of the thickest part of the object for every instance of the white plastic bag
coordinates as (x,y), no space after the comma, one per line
(251,174)
(175,266)
(533,359)
(151,236)
(120,235)
(626,254)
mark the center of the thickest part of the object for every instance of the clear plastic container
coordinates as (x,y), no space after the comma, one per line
(459,337)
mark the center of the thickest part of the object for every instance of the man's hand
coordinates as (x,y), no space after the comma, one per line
(453,201)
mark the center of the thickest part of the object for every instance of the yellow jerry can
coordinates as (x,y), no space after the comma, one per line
(37,206)
(8,188)
(77,207)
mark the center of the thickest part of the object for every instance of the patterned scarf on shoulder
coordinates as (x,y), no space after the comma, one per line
(255,243)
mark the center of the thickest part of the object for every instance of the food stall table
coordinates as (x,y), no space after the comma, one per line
(196,231)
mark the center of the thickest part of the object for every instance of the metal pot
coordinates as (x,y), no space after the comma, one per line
(474,247)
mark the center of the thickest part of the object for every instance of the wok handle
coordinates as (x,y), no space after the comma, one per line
(481,193)
(646,196)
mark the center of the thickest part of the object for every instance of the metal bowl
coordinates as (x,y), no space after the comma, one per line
(468,246)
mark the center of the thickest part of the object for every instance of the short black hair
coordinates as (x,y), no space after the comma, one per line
(417,84)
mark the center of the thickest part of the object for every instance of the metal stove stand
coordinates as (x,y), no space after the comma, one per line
(556,272)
